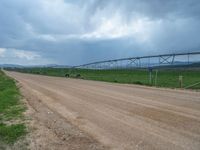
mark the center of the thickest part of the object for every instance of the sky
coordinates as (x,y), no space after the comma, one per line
(73,32)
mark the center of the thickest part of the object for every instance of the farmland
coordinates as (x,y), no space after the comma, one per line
(165,77)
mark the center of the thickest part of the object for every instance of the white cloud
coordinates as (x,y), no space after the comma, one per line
(2,51)
(22,54)
(22,57)
(47,37)
(137,28)
(111,28)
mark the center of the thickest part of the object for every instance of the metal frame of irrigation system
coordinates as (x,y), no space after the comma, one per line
(143,62)
(148,62)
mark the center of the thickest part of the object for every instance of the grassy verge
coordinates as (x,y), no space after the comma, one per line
(11,111)
(165,77)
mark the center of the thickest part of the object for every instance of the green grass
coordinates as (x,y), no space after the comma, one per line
(11,110)
(166,77)
(10,133)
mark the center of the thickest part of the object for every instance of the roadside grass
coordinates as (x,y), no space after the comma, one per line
(10,133)
(165,77)
(11,111)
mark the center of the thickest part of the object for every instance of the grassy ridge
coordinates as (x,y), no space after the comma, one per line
(11,111)
(165,78)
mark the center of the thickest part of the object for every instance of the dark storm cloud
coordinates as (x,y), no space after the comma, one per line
(74,32)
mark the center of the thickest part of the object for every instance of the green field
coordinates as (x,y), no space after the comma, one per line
(11,111)
(165,77)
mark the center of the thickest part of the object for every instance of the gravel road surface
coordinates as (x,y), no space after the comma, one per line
(120,116)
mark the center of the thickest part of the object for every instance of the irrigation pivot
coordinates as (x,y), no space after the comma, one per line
(145,61)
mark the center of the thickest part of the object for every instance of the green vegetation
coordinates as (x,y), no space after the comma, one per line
(12,132)
(165,77)
(11,111)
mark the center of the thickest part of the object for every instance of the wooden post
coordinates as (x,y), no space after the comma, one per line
(180,81)
(150,75)
(156,76)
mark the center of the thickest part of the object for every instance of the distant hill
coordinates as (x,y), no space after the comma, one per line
(180,65)
(10,66)
(34,66)
(195,64)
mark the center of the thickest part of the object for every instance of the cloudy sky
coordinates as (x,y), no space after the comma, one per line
(73,32)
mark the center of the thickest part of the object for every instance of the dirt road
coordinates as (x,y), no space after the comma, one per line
(122,116)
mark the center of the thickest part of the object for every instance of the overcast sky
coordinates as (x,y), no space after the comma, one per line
(73,32)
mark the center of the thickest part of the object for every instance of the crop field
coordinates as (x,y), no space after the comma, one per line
(11,112)
(165,77)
